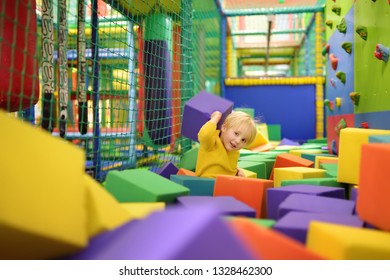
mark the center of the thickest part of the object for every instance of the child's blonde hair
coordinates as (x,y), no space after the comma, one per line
(238,119)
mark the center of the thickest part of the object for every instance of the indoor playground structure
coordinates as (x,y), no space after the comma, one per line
(101,102)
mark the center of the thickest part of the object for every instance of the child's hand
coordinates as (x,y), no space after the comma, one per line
(215,117)
(240,172)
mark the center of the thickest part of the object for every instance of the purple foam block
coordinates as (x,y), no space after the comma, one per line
(177,233)
(167,170)
(197,112)
(296,224)
(227,205)
(353,194)
(275,196)
(315,204)
(288,142)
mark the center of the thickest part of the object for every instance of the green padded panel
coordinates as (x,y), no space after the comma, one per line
(141,185)
(197,186)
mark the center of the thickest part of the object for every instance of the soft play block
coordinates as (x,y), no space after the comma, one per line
(264,148)
(257,167)
(42,193)
(275,196)
(189,159)
(226,205)
(330,168)
(331,182)
(167,170)
(372,204)
(325,158)
(186,172)
(261,222)
(104,211)
(178,233)
(379,139)
(140,210)
(296,224)
(197,112)
(351,141)
(140,185)
(299,152)
(259,140)
(289,160)
(196,185)
(269,244)
(296,173)
(353,194)
(339,242)
(249,111)
(316,204)
(249,174)
(269,162)
(274,132)
(247,190)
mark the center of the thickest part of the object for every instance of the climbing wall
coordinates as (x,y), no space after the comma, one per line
(340,69)
(372,75)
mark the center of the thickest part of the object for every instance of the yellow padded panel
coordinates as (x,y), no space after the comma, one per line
(104,211)
(42,193)
(351,140)
(249,174)
(339,242)
(260,139)
(328,159)
(296,173)
(140,210)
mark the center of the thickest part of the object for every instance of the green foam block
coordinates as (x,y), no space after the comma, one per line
(140,185)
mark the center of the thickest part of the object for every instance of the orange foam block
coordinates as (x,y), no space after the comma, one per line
(250,191)
(372,203)
(186,172)
(269,244)
(289,160)
(324,159)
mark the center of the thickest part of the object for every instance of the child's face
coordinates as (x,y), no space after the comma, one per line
(233,138)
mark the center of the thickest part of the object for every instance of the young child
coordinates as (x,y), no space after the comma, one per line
(219,150)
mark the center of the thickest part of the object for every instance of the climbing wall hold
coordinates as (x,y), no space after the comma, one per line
(334,147)
(362,31)
(347,46)
(341,76)
(364,125)
(382,52)
(342,27)
(341,124)
(338,101)
(329,23)
(333,61)
(325,50)
(336,9)
(355,97)
(329,104)
(332,82)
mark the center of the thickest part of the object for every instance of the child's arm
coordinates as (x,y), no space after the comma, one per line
(240,172)
(216,117)
(206,133)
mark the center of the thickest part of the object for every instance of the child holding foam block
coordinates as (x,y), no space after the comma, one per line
(219,150)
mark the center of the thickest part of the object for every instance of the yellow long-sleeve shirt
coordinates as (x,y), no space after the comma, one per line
(213,159)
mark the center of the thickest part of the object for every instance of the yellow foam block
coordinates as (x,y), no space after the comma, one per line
(263,128)
(104,211)
(351,140)
(339,242)
(296,173)
(287,147)
(42,193)
(260,139)
(140,210)
(328,159)
(299,152)
(249,174)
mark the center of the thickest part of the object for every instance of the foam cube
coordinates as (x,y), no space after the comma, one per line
(315,204)
(351,141)
(185,172)
(42,193)
(104,211)
(247,190)
(296,173)
(259,140)
(174,234)
(269,244)
(256,167)
(296,224)
(189,159)
(275,196)
(338,242)
(197,186)
(325,158)
(140,210)
(274,132)
(197,112)
(167,169)
(269,162)
(379,139)
(140,185)
(289,160)
(249,174)
(372,204)
(227,205)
